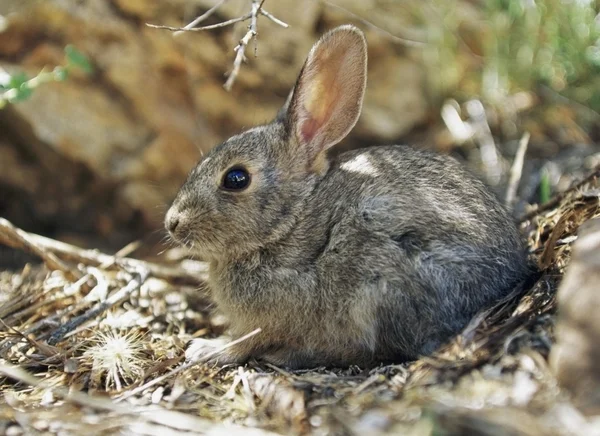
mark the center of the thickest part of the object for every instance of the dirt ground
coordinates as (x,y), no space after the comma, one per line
(96,347)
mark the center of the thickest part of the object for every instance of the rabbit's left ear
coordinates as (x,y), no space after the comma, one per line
(327,98)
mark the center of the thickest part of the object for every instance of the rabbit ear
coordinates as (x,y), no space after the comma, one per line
(327,98)
(282,114)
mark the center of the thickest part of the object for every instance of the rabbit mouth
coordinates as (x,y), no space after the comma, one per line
(201,244)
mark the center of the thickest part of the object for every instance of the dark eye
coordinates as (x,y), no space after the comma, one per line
(236,179)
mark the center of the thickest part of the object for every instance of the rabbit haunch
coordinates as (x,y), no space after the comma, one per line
(379,254)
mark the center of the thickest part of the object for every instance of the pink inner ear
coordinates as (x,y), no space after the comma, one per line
(309,129)
(319,115)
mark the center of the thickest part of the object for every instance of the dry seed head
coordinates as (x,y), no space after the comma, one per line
(116,357)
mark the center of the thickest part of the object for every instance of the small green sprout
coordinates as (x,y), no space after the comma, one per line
(545,187)
(19,87)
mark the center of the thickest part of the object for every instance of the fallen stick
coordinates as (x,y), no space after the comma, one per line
(117,298)
(51,249)
(539,208)
(185,366)
(169,419)
(17,238)
(516,171)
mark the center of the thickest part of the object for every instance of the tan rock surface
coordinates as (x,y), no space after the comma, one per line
(575,357)
(155,101)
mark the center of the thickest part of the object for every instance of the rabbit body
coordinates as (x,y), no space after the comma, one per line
(379,254)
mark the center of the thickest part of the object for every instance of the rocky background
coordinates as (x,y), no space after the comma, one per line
(97,158)
(106,152)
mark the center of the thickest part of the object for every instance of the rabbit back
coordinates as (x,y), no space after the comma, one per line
(423,243)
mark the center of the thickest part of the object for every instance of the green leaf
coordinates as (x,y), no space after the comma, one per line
(17,80)
(545,187)
(78,59)
(23,92)
(60,74)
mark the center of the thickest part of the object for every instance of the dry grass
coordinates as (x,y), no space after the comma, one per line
(73,350)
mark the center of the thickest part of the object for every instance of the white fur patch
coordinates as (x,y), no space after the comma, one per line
(360,164)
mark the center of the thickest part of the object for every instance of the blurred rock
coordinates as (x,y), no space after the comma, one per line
(134,128)
(575,358)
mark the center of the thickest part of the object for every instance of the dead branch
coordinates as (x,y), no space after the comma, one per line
(240,49)
(199,29)
(166,419)
(118,297)
(516,171)
(52,249)
(17,238)
(202,17)
(539,208)
(400,40)
(187,365)
(487,146)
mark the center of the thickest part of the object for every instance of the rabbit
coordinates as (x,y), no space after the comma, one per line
(375,255)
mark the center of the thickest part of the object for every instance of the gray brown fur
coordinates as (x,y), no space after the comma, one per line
(379,254)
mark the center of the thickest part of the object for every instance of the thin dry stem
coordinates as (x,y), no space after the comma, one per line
(117,298)
(273,18)
(202,17)
(240,49)
(557,199)
(400,40)
(187,365)
(516,171)
(47,248)
(200,29)
(17,238)
(487,146)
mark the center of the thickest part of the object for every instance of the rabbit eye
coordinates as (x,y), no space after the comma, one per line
(236,179)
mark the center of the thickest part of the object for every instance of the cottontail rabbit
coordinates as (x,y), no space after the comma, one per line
(378,254)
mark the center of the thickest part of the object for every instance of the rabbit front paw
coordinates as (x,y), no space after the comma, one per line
(208,350)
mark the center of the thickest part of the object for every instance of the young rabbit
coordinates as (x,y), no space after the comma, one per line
(379,254)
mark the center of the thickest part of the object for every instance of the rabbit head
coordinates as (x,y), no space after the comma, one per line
(248,190)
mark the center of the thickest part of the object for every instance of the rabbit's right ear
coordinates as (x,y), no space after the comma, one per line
(327,99)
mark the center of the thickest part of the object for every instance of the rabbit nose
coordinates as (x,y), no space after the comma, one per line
(172,221)
(172,224)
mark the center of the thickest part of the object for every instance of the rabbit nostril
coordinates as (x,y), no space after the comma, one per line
(172,224)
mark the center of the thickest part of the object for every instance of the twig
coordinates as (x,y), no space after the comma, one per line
(460,130)
(117,298)
(199,29)
(96,258)
(46,350)
(516,171)
(12,93)
(487,146)
(539,208)
(202,17)
(186,366)
(274,19)
(167,418)
(17,238)
(557,96)
(549,253)
(240,49)
(400,40)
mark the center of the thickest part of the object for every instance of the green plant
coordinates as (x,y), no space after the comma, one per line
(18,87)
(551,42)
(499,47)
